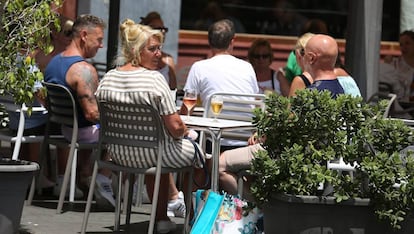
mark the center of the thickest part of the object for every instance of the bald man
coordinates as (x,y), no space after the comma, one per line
(319,60)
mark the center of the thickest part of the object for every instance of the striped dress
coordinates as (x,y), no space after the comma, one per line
(148,87)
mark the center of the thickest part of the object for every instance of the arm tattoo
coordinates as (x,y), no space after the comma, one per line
(89,77)
(89,84)
(87,97)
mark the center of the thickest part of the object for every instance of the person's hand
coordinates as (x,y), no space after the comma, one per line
(255,139)
(252,140)
(192,134)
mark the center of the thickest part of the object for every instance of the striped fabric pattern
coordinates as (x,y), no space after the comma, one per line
(148,87)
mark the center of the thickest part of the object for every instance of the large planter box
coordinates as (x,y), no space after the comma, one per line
(319,215)
(15,178)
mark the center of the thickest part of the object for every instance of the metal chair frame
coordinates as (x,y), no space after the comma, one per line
(63,111)
(132,126)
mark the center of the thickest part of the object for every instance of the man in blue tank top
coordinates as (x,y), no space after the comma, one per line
(319,60)
(70,69)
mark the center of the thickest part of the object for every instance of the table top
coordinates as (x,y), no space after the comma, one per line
(220,123)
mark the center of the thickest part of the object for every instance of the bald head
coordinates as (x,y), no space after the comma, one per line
(324,51)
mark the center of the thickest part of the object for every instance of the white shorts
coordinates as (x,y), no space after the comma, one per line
(240,158)
(85,135)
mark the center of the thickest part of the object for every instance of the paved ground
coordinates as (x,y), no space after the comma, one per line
(41,218)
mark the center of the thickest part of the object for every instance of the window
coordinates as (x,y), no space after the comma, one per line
(281,17)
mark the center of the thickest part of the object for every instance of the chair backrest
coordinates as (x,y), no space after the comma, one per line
(390,97)
(132,133)
(61,105)
(385,87)
(236,106)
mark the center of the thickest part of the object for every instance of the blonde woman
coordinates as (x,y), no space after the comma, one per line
(303,80)
(166,65)
(137,81)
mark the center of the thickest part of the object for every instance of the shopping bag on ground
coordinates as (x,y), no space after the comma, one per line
(206,208)
(236,216)
(221,213)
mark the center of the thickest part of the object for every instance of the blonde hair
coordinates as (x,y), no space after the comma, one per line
(301,42)
(134,37)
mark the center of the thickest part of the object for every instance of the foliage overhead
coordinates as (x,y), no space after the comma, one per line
(304,132)
(24,28)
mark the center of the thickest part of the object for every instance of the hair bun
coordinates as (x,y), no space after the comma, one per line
(129,30)
(127,23)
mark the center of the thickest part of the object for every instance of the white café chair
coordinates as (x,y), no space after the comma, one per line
(236,106)
(135,133)
(377,97)
(18,138)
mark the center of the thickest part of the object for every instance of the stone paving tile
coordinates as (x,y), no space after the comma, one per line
(41,218)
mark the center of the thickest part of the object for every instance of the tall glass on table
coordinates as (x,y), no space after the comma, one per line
(216,105)
(189,100)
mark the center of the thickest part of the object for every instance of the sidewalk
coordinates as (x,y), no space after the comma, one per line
(41,218)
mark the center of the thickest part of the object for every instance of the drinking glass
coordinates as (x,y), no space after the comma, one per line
(216,105)
(190,100)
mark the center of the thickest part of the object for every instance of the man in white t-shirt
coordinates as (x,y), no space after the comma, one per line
(222,72)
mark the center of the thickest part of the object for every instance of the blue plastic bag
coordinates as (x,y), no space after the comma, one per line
(207,206)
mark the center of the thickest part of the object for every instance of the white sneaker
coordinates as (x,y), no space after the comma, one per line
(103,191)
(58,187)
(166,226)
(176,208)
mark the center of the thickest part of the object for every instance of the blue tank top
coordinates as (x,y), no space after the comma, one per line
(56,73)
(331,85)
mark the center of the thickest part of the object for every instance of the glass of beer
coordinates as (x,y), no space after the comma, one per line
(190,100)
(216,105)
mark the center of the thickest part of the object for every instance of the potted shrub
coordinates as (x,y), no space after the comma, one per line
(303,133)
(24,28)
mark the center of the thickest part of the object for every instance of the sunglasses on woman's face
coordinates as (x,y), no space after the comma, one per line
(260,56)
(162,29)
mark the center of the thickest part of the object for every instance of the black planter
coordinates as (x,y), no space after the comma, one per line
(15,178)
(311,214)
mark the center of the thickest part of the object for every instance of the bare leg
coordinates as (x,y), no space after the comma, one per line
(227,179)
(162,196)
(232,161)
(84,163)
(173,191)
(62,158)
(30,152)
